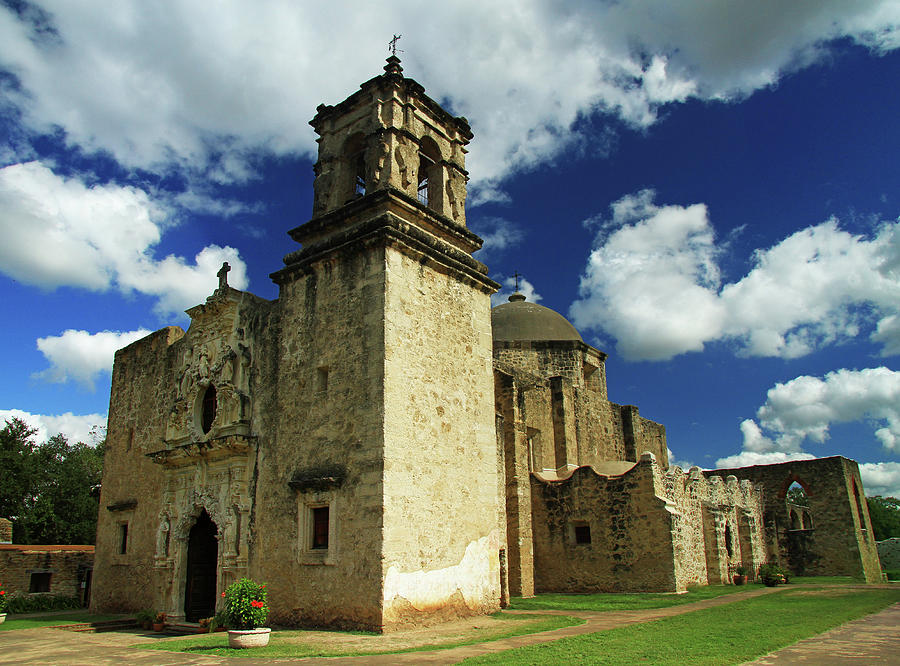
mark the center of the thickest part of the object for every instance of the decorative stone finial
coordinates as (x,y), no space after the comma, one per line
(393,66)
(517,296)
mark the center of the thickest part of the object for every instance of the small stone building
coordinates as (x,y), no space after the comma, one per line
(44,569)
(379,445)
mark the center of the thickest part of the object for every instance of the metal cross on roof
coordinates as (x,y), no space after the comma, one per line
(392,45)
(517,276)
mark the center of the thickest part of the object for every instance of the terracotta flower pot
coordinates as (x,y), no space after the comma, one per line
(248,638)
(158,626)
(739,580)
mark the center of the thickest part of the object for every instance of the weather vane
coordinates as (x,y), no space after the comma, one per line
(392,45)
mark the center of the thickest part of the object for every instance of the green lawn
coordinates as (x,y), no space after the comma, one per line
(53,619)
(293,643)
(621,602)
(729,634)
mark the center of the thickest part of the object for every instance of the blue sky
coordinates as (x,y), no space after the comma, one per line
(709,193)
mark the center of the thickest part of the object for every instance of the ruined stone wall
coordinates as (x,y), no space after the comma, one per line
(442,534)
(65,564)
(889,553)
(631,547)
(327,439)
(718,526)
(132,485)
(840,541)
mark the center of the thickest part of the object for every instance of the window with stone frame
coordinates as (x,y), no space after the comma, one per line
(428,189)
(316,527)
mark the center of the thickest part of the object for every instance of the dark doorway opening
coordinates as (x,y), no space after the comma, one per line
(200,585)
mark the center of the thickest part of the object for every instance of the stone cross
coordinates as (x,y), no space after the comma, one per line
(392,45)
(223,275)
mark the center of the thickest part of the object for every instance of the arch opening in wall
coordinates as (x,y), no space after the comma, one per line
(429,173)
(208,409)
(728,547)
(355,156)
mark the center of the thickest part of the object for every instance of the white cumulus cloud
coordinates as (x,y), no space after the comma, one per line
(58,231)
(881,478)
(80,356)
(85,428)
(803,410)
(206,86)
(653,283)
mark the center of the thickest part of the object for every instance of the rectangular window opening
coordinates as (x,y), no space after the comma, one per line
(320,528)
(123,538)
(582,534)
(322,379)
(39,582)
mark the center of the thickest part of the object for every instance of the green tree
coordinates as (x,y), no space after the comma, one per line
(885,515)
(53,489)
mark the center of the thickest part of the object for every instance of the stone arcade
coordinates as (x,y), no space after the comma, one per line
(382,448)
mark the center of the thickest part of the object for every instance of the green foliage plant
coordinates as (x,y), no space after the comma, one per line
(4,602)
(246,604)
(884,513)
(771,575)
(18,603)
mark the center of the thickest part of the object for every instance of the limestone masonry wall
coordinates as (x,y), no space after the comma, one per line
(326,421)
(132,485)
(629,547)
(442,531)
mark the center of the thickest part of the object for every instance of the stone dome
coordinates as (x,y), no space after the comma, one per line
(520,320)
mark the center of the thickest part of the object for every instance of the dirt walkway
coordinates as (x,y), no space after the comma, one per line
(870,640)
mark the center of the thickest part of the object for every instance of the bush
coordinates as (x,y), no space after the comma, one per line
(3,600)
(39,603)
(245,605)
(892,574)
(771,575)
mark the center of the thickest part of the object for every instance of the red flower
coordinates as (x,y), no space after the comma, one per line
(223,594)
(256,604)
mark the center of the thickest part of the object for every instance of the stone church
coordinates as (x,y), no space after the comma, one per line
(382,448)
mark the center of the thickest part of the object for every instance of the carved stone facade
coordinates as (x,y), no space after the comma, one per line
(380,446)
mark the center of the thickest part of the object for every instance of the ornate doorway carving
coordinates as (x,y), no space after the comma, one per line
(200,581)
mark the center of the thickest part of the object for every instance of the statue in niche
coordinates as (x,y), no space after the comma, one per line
(162,538)
(203,365)
(225,364)
(187,378)
(245,368)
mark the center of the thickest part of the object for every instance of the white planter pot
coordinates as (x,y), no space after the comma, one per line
(248,638)
(2,618)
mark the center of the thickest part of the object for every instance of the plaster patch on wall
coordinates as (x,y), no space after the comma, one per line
(476,577)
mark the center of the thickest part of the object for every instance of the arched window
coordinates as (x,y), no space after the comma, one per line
(728,547)
(208,409)
(355,154)
(795,521)
(428,179)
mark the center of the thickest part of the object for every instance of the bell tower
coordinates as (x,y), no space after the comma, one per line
(390,135)
(385,410)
